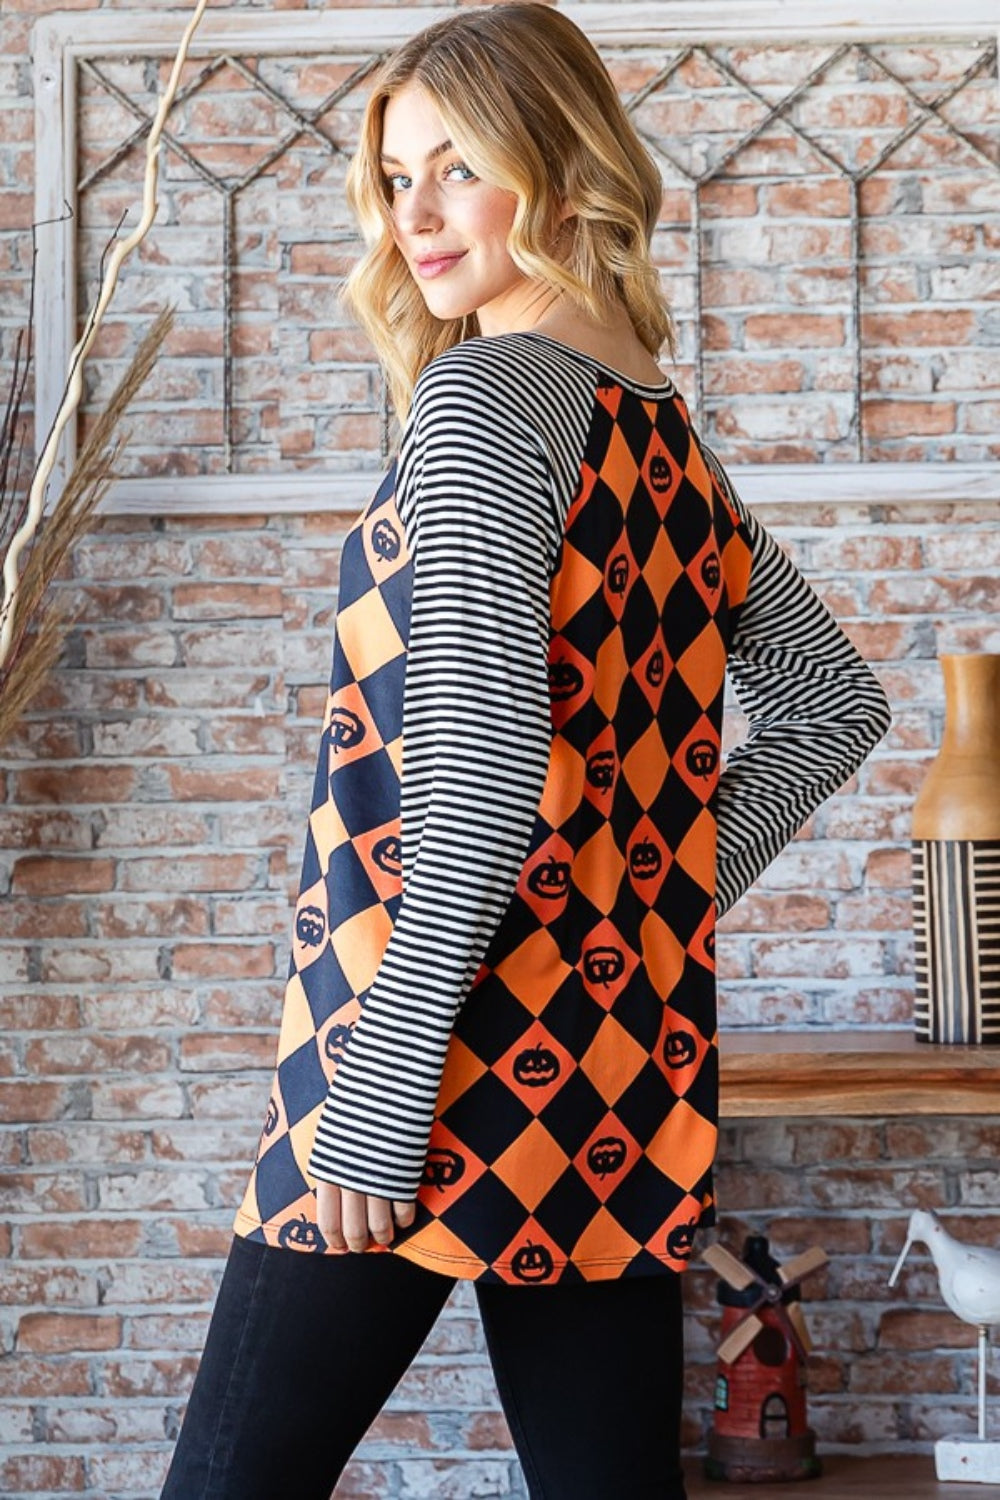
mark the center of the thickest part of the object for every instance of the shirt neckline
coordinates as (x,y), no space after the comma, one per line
(642,387)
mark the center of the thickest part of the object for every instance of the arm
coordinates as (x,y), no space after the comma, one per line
(473,491)
(815,710)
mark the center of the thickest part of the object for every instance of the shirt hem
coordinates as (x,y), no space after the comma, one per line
(476,1265)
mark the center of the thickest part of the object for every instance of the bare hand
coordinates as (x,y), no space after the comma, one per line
(346,1217)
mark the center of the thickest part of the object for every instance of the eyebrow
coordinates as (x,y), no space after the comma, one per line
(435,151)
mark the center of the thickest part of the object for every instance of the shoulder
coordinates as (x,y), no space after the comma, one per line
(506,380)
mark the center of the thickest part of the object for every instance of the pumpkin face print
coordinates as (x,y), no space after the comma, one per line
(680,1241)
(701,758)
(346,730)
(603,965)
(679,1049)
(601,769)
(301,1233)
(536,1067)
(654,668)
(606,1155)
(271,1118)
(385,540)
(310,926)
(388,854)
(550,879)
(443,1167)
(618,573)
(531,1262)
(337,1039)
(711,571)
(659,473)
(644,860)
(565,680)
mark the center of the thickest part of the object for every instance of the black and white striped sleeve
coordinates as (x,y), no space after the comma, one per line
(474,492)
(815,711)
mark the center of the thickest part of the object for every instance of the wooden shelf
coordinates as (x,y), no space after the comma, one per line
(882,1478)
(853,1073)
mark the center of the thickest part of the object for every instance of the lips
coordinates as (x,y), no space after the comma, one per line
(434,265)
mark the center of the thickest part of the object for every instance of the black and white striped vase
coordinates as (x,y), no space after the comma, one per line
(956,863)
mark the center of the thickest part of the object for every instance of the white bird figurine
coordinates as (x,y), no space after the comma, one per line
(969,1277)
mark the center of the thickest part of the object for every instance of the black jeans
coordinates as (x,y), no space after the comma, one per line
(304,1349)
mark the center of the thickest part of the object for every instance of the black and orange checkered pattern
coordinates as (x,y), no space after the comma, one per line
(576,1121)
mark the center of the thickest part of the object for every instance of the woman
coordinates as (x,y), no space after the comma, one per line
(498,1051)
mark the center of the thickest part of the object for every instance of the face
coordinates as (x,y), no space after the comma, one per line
(440,208)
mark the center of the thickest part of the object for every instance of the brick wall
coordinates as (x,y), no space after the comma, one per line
(151,816)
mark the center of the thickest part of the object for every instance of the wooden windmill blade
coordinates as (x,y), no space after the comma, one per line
(741,1337)
(732,1271)
(797,1318)
(803,1265)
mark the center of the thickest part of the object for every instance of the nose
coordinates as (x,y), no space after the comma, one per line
(417,208)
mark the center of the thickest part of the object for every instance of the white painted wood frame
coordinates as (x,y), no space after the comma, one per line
(59,40)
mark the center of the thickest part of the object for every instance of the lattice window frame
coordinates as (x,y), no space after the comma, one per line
(62,42)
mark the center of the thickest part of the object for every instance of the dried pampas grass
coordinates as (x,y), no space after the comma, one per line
(32,627)
(39,624)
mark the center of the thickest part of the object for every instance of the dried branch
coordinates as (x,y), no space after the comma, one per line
(74,389)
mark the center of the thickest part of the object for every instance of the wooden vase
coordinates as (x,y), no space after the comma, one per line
(956,863)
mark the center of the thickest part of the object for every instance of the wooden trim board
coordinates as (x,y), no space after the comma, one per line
(758,484)
(774,1073)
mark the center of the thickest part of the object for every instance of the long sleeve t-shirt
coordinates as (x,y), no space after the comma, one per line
(501,996)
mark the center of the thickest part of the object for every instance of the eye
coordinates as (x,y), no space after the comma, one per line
(389,178)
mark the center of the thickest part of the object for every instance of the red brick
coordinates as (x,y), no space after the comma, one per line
(58,1333)
(31,1012)
(41,875)
(217,601)
(44,740)
(41,1471)
(232,960)
(34,919)
(890,868)
(793,330)
(201,784)
(917,329)
(903,418)
(261,734)
(729,200)
(813,199)
(214,1053)
(73,1053)
(122,919)
(759,912)
(868,551)
(878,640)
(736,375)
(914,1328)
(895,777)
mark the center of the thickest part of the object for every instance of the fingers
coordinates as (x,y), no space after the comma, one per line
(346,1218)
(328,1214)
(362,1214)
(354,1218)
(379,1218)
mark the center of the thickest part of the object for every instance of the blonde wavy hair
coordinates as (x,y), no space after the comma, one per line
(527,99)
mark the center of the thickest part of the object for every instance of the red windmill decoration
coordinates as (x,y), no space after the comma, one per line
(760,1430)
